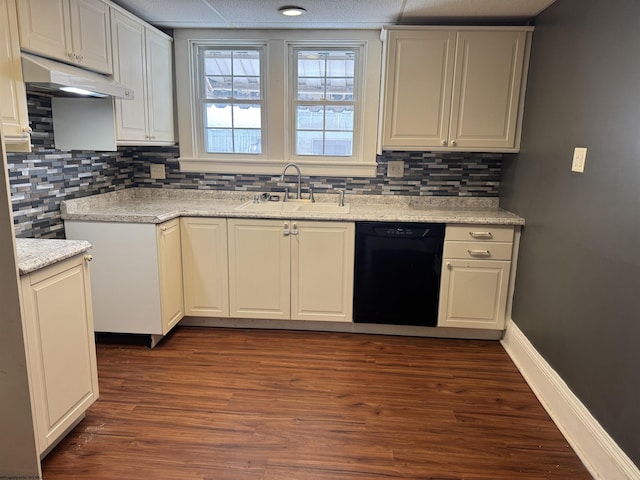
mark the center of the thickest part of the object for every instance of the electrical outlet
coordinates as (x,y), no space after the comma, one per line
(157,171)
(579,158)
(395,169)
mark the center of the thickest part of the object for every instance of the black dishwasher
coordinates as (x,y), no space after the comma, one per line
(397,273)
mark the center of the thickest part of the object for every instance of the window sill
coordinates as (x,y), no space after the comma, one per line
(262,167)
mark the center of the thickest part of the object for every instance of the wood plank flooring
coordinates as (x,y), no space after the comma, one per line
(224,404)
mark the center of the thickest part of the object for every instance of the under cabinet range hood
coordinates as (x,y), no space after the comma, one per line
(60,79)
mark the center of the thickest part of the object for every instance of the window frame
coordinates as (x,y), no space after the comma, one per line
(292,129)
(278,121)
(203,101)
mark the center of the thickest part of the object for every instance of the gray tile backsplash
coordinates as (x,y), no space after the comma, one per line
(40,180)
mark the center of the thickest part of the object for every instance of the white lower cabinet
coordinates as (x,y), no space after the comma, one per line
(136,275)
(60,347)
(205,267)
(288,269)
(475,276)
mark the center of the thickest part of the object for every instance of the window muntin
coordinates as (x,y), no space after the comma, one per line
(325,101)
(232,99)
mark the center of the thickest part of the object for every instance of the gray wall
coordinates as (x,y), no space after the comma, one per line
(578,286)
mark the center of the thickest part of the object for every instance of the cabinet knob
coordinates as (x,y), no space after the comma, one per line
(27,129)
(448,264)
(88,258)
(453,143)
(286,232)
(444,142)
(294,229)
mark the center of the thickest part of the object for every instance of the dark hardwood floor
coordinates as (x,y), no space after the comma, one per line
(229,404)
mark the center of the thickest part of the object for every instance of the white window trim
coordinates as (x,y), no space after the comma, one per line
(277,142)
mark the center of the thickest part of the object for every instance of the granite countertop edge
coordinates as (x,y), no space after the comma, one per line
(157,206)
(36,253)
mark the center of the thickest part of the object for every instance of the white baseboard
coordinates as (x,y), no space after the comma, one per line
(604,459)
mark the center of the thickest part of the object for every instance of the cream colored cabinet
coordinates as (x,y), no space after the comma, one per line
(136,275)
(13,107)
(475,276)
(457,89)
(60,347)
(289,269)
(143,62)
(170,274)
(74,31)
(205,269)
(259,268)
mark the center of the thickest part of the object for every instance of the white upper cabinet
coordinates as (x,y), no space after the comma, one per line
(74,31)
(449,89)
(13,107)
(143,62)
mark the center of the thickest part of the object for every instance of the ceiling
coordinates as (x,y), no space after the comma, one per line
(327,13)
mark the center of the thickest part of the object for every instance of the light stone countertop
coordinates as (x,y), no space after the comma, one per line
(149,205)
(36,253)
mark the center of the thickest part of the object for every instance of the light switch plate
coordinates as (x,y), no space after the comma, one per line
(395,169)
(579,158)
(157,171)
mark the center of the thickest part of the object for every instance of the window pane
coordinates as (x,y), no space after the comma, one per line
(217,62)
(248,141)
(246,88)
(339,144)
(339,118)
(246,62)
(310,117)
(340,89)
(308,143)
(310,88)
(218,115)
(311,63)
(218,140)
(246,116)
(218,87)
(340,64)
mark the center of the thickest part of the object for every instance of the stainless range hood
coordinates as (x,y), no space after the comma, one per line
(60,79)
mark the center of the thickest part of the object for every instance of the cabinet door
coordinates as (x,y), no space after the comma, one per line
(259,266)
(128,39)
(487,84)
(13,107)
(60,346)
(160,87)
(91,34)
(205,268)
(170,274)
(417,101)
(322,271)
(44,28)
(473,294)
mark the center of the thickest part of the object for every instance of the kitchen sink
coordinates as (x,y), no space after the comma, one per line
(294,206)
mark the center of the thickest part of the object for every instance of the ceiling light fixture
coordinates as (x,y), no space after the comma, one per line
(291,11)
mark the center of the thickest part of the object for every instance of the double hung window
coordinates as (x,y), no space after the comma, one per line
(252,101)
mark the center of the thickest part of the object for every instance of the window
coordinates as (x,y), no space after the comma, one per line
(232,100)
(324,99)
(251,101)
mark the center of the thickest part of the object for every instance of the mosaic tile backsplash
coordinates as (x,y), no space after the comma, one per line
(40,180)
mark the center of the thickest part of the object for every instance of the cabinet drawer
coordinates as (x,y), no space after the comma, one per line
(480,233)
(478,250)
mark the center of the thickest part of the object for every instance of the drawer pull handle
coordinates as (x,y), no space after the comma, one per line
(479,253)
(482,235)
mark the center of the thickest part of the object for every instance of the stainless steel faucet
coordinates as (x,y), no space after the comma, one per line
(284,171)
